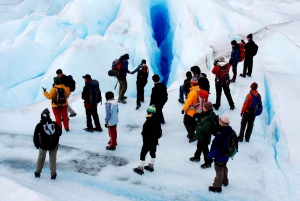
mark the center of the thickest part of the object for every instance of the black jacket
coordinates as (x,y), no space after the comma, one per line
(250,48)
(159,95)
(151,130)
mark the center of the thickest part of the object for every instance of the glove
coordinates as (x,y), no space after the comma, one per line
(242,114)
(44,89)
(182,111)
(106,125)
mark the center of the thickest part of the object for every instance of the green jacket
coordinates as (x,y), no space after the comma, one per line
(204,127)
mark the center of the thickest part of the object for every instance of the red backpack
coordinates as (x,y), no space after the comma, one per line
(115,68)
(242,52)
(144,69)
(202,98)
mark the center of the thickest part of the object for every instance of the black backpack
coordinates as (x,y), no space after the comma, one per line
(94,92)
(60,97)
(49,136)
(115,68)
(72,83)
(230,147)
(215,125)
(255,49)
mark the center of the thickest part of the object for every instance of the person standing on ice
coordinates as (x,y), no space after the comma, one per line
(46,138)
(202,78)
(221,70)
(151,133)
(159,97)
(141,81)
(250,51)
(184,89)
(234,58)
(111,119)
(189,111)
(219,158)
(68,82)
(122,78)
(59,94)
(248,118)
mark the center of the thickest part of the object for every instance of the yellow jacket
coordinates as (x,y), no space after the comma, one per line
(52,94)
(191,100)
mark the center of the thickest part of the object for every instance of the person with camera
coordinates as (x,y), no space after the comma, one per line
(250,51)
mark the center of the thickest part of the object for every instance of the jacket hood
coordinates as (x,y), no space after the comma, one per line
(255,92)
(222,63)
(112,101)
(59,86)
(195,88)
(202,75)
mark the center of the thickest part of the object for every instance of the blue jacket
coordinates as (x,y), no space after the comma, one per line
(235,55)
(219,143)
(112,110)
(124,70)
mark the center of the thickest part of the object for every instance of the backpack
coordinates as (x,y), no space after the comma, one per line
(255,49)
(242,52)
(48,137)
(202,98)
(115,68)
(59,97)
(230,147)
(223,77)
(94,92)
(256,107)
(72,83)
(143,72)
(215,125)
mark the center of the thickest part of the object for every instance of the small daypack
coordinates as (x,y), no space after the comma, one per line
(242,52)
(255,49)
(72,83)
(60,97)
(115,68)
(223,78)
(202,98)
(215,125)
(230,146)
(256,107)
(48,137)
(143,72)
(94,92)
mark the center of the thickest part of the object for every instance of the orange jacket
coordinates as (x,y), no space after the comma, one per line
(52,94)
(248,101)
(191,100)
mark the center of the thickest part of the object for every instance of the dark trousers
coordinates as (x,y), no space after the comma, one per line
(248,64)
(140,85)
(92,113)
(189,123)
(145,149)
(234,71)
(160,114)
(247,120)
(221,174)
(202,147)
(227,94)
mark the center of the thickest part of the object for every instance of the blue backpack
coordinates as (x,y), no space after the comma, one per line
(256,107)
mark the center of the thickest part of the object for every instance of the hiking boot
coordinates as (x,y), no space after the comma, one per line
(88,130)
(240,139)
(247,140)
(180,101)
(139,170)
(194,159)
(192,139)
(232,107)
(204,166)
(37,174)
(149,167)
(53,177)
(138,106)
(124,97)
(242,75)
(67,130)
(73,115)
(223,184)
(215,106)
(122,101)
(215,189)
(98,129)
(249,75)
(232,81)
(110,148)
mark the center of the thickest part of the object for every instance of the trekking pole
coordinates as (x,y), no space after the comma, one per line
(116,84)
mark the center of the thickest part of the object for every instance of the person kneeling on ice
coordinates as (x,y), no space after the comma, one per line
(111,119)
(46,138)
(151,133)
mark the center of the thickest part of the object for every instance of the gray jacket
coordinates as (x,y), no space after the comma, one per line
(112,110)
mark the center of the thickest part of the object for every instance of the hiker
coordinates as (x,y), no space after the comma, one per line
(111,119)
(222,81)
(68,82)
(202,78)
(234,58)
(122,78)
(141,81)
(250,52)
(189,111)
(59,94)
(247,117)
(159,97)
(46,138)
(185,88)
(151,133)
(203,134)
(217,154)
(88,94)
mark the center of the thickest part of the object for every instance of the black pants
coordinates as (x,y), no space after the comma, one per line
(92,113)
(247,120)
(234,71)
(248,65)
(145,149)
(227,94)
(189,123)
(140,85)
(160,114)
(202,147)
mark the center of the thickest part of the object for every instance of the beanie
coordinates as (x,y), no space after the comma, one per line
(151,109)
(196,70)
(249,36)
(109,95)
(188,74)
(194,81)
(233,42)
(208,106)
(59,71)
(45,114)
(155,78)
(254,86)
(56,80)
(224,121)
(143,61)
(221,59)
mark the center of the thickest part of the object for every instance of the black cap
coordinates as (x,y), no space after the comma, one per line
(59,71)
(250,36)
(143,61)
(87,76)
(233,42)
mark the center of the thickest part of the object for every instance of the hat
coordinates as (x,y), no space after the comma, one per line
(59,71)
(155,78)
(233,42)
(143,61)
(224,121)
(194,81)
(109,95)
(196,70)
(45,114)
(126,56)
(254,86)
(151,109)
(221,59)
(249,36)
(87,76)
(56,80)
(188,74)
(208,105)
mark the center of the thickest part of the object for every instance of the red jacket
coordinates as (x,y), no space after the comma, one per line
(217,69)
(248,101)
(85,94)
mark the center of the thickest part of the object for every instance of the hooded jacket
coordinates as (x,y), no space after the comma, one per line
(112,110)
(204,127)
(248,101)
(192,99)
(52,94)
(235,55)
(151,130)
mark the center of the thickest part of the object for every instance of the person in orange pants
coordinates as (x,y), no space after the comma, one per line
(59,94)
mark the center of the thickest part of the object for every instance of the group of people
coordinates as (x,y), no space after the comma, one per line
(199,116)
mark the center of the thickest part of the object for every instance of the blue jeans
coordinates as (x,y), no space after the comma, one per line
(181,93)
